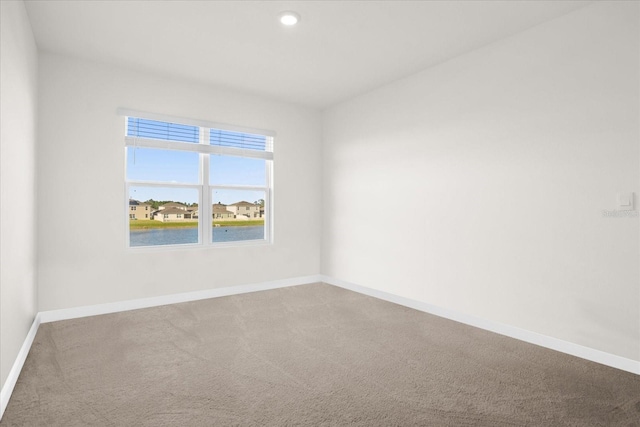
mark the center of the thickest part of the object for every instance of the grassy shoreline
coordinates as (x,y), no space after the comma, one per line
(141,224)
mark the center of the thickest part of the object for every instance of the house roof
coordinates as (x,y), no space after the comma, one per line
(172,211)
(173,205)
(133,202)
(220,208)
(243,203)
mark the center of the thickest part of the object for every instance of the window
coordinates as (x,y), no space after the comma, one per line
(196,177)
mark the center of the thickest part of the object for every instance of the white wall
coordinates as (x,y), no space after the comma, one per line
(18,89)
(82,259)
(478,185)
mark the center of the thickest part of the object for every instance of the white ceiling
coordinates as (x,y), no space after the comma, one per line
(339,49)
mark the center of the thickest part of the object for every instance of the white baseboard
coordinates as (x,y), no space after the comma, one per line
(14,373)
(510,331)
(573,349)
(94,310)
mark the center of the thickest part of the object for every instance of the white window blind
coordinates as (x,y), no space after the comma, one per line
(148,130)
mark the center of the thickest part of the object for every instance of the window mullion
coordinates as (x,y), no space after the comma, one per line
(239,187)
(163,144)
(161,184)
(268,206)
(205,210)
(126,209)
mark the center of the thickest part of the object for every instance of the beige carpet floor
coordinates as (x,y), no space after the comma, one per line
(312,355)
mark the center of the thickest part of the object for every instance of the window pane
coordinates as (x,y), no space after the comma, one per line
(229,170)
(144,128)
(150,164)
(238,215)
(247,141)
(162,216)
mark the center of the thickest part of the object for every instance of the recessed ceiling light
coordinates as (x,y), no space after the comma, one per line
(289,18)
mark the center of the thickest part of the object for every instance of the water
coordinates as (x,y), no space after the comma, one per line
(180,236)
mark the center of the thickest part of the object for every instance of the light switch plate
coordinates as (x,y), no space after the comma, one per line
(625,201)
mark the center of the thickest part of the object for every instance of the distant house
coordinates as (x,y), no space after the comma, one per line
(220,211)
(249,210)
(173,205)
(194,211)
(139,210)
(172,214)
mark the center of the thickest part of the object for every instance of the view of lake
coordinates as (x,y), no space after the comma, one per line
(180,236)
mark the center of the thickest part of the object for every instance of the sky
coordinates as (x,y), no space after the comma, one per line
(146,164)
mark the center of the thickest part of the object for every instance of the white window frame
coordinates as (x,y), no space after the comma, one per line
(204,188)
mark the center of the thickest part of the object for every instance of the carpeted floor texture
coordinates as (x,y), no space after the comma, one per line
(311,355)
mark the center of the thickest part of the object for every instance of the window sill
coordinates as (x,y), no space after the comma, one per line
(198,247)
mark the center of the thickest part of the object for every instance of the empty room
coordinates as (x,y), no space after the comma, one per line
(331,213)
